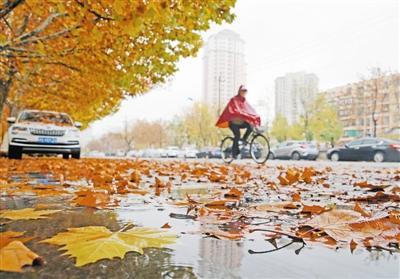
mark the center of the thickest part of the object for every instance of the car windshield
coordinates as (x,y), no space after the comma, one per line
(45,117)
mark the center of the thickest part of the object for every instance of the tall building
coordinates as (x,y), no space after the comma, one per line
(224,68)
(358,104)
(293,93)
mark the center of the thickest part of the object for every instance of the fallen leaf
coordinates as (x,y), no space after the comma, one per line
(353,246)
(26,213)
(296,197)
(93,243)
(336,223)
(313,209)
(15,255)
(166,226)
(277,207)
(10,236)
(234,193)
(359,209)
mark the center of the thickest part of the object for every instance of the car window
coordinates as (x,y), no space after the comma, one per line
(370,141)
(45,117)
(355,143)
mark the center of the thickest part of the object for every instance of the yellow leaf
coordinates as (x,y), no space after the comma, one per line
(10,236)
(26,213)
(16,255)
(93,243)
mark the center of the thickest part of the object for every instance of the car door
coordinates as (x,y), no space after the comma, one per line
(352,151)
(286,151)
(367,149)
(278,150)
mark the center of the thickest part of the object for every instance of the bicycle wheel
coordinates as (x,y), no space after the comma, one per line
(226,149)
(259,149)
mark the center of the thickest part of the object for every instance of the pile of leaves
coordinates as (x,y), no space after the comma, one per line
(335,208)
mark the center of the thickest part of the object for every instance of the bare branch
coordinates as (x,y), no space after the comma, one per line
(9,6)
(21,29)
(41,27)
(99,16)
(63,65)
(48,37)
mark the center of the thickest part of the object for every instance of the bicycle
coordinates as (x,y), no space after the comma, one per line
(259,148)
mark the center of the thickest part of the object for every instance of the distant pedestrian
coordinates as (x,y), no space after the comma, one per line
(237,115)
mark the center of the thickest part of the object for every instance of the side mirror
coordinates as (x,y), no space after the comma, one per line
(78,124)
(11,120)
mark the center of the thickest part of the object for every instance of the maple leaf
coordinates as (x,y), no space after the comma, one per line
(93,243)
(336,223)
(26,213)
(16,255)
(10,236)
(278,207)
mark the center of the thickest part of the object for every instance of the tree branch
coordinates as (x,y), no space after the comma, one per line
(41,27)
(9,6)
(99,16)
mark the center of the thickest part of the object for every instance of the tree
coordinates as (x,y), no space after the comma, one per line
(296,131)
(324,122)
(128,136)
(280,128)
(200,127)
(84,56)
(376,86)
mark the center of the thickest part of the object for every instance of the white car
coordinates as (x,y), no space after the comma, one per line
(172,152)
(35,131)
(191,153)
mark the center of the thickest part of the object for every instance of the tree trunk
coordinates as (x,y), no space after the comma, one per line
(4,88)
(374,122)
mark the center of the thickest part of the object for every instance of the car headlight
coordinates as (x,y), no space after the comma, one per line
(16,129)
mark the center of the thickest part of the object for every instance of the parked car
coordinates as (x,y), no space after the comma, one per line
(35,131)
(190,153)
(367,149)
(163,153)
(245,152)
(294,150)
(210,152)
(172,152)
(151,153)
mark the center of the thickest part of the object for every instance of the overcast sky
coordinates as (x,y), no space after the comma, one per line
(338,40)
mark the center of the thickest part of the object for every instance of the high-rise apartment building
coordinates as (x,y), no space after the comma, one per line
(293,93)
(362,103)
(224,68)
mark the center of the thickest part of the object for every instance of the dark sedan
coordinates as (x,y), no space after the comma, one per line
(367,149)
(211,153)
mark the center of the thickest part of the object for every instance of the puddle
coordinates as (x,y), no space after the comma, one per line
(193,256)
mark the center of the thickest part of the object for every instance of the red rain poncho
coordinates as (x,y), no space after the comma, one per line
(238,108)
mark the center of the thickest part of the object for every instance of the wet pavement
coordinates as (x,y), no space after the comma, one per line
(194,255)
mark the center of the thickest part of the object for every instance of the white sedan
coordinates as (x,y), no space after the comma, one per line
(35,131)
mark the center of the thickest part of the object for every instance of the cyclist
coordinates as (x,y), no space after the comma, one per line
(238,114)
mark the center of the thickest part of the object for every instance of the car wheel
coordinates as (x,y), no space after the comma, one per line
(65,156)
(296,156)
(335,157)
(379,157)
(76,155)
(14,152)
